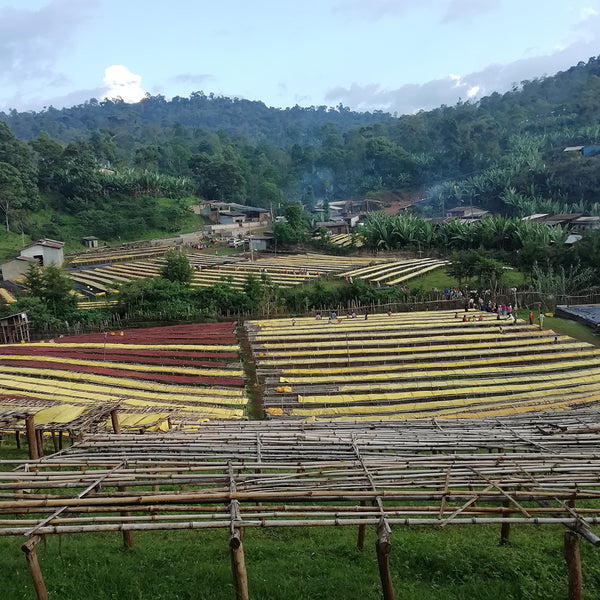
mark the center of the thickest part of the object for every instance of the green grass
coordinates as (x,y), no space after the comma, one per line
(455,563)
(309,563)
(11,244)
(440,279)
(576,330)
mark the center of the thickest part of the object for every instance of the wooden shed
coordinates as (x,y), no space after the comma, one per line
(90,241)
(14,328)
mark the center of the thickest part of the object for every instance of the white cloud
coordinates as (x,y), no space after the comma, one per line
(587,13)
(582,41)
(122,83)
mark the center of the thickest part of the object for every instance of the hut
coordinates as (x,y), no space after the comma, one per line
(14,328)
(46,251)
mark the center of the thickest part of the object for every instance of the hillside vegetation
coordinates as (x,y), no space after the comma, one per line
(504,152)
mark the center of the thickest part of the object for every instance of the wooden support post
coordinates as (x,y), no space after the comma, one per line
(505,529)
(60,440)
(114,417)
(128,538)
(54,441)
(34,567)
(40,442)
(573,558)
(384,548)
(31,438)
(238,566)
(362,530)
(18,438)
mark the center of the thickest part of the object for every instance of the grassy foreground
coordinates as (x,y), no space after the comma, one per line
(311,563)
(456,563)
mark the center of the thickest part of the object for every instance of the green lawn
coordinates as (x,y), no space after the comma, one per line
(440,279)
(565,327)
(455,563)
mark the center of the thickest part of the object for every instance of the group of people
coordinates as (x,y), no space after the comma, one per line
(335,318)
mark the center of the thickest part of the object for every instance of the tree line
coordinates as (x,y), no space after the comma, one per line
(503,153)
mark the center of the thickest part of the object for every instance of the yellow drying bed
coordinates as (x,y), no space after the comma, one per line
(116,254)
(89,399)
(450,406)
(435,364)
(370,270)
(95,304)
(385,355)
(401,272)
(133,387)
(147,421)
(404,374)
(404,269)
(78,392)
(520,335)
(376,323)
(7,296)
(426,367)
(460,387)
(476,412)
(63,414)
(399,345)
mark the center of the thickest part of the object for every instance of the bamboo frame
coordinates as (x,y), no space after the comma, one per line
(284,474)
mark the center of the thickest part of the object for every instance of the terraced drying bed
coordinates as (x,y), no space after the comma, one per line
(285,271)
(396,272)
(185,374)
(417,365)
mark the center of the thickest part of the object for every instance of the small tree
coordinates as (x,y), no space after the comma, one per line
(177,268)
(33,280)
(53,288)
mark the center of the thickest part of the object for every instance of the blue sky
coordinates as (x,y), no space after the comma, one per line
(395,55)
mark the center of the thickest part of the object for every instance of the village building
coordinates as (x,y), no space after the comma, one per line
(467,213)
(17,267)
(90,241)
(221,212)
(261,243)
(46,251)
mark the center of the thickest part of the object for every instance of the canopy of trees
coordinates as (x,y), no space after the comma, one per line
(105,163)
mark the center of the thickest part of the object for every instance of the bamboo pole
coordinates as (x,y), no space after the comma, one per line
(384,547)
(34,567)
(573,558)
(31,438)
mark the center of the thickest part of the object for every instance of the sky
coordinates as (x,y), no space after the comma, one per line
(399,56)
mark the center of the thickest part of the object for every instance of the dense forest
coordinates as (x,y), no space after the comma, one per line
(114,169)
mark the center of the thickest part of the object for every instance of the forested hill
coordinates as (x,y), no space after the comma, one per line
(237,117)
(115,169)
